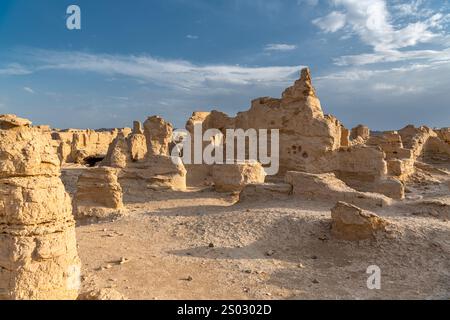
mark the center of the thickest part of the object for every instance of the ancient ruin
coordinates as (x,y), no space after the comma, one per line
(152,222)
(84,146)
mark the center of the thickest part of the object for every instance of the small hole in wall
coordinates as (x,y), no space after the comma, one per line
(305,155)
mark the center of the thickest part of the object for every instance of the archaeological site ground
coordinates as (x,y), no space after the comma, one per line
(127,213)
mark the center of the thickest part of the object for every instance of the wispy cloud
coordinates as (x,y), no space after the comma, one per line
(28,89)
(394,56)
(14,70)
(396,89)
(192,37)
(179,74)
(280,47)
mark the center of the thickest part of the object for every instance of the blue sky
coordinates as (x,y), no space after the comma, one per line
(382,63)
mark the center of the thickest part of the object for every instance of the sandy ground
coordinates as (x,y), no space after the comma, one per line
(202,245)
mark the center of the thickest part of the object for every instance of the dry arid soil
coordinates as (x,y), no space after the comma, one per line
(200,244)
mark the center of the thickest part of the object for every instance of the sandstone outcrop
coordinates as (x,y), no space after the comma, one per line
(11,121)
(234,177)
(99,194)
(38,253)
(352,223)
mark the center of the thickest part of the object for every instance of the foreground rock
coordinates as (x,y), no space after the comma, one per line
(352,223)
(99,194)
(38,253)
(234,177)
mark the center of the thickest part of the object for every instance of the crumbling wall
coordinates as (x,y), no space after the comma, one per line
(360,132)
(144,166)
(306,134)
(309,140)
(77,146)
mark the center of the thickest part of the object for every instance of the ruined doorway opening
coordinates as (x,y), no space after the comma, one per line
(92,161)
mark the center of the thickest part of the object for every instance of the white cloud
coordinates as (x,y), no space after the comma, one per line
(332,22)
(412,8)
(14,70)
(372,22)
(192,37)
(28,89)
(396,89)
(280,47)
(179,74)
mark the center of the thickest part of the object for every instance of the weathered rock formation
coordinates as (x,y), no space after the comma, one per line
(38,253)
(158,134)
(306,134)
(234,177)
(142,169)
(360,132)
(352,223)
(310,141)
(99,194)
(85,146)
